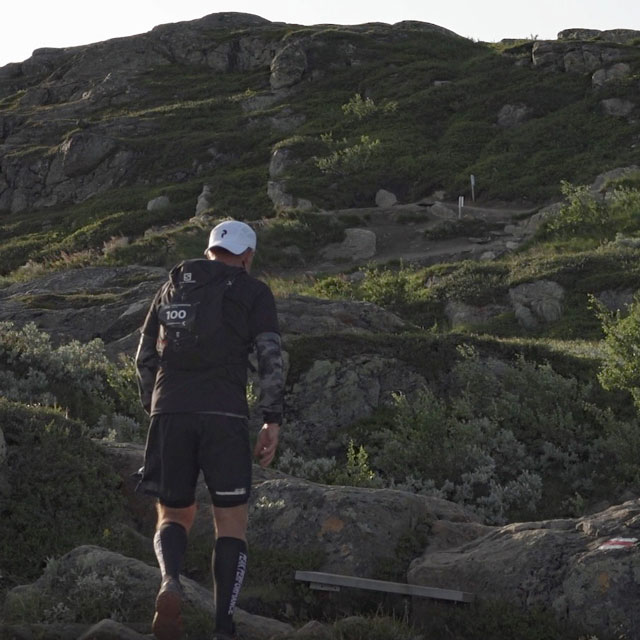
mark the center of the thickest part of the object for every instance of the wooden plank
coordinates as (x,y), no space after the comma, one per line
(326,579)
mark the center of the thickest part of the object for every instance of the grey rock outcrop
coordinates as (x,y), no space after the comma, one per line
(91,583)
(205,201)
(290,513)
(511,115)
(617,107)
(558,564)
(358,244)
(602,182)
(537,302)
(306,316)
(615,73)
(83,152)
(51,302)
(281,160)
(282,200)
(358,529)
(288,66)
(616,299)
(385,198)
(116,300)
(161,203)
(574,57)
(330,395)
(622,36)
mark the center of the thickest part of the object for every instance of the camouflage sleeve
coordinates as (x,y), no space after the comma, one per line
(147,359)
(271,372)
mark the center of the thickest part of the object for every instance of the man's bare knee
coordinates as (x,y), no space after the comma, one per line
(182,515)
(231,521)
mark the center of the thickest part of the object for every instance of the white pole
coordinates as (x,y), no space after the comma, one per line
(473,187)
(460,205)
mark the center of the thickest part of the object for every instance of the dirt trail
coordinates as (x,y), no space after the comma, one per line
(402,232)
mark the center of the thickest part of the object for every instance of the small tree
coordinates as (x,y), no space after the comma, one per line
(621,367)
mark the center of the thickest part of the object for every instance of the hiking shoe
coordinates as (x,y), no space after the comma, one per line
(167,622)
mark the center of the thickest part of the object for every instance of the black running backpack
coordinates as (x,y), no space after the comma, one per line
(190,312)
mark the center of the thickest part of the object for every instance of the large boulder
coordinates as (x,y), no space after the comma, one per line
(332,394)
(512,115)
(303,315)
(615,73)
(358,530)
(573,567)
(284,201)
(288,66)
(385,199)
(358,245)
(83,152)
(536,302)
(618,107)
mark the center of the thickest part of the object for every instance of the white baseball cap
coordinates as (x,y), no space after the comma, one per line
(232,235)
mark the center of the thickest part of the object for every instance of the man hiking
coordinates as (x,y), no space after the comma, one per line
(192,365)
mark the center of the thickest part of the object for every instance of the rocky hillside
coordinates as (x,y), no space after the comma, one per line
(108,140)
(446,424)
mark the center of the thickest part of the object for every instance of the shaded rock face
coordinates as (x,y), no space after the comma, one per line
(558,564)
(331,395)
(358,530)
(78,81)
(288,66)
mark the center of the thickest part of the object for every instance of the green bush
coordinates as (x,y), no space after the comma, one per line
(621,362)
(75,376)
(63,491)
(510,439)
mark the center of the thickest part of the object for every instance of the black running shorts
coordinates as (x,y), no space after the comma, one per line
(180,445)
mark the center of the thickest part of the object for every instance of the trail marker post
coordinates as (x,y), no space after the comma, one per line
(473,188)
(460,206)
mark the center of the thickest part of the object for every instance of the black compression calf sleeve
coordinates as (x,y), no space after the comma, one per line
(229,568)
(170,544)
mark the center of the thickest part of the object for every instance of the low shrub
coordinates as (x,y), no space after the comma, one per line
(75,376)
(63,491)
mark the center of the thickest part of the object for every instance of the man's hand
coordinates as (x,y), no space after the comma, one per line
(267,443)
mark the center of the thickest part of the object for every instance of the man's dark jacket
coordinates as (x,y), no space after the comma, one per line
(251,321)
